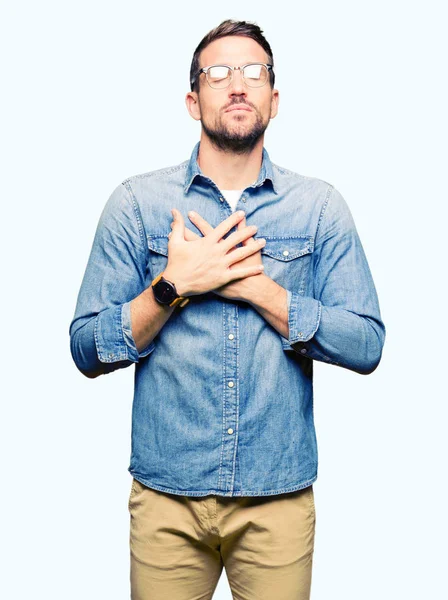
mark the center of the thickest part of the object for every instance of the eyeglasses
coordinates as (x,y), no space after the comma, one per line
(220,76)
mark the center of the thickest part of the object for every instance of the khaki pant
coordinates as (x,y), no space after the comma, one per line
(179,545)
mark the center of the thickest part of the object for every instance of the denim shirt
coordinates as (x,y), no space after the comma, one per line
(223,403)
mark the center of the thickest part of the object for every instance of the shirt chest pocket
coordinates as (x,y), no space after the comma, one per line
(287,260)
(158,253)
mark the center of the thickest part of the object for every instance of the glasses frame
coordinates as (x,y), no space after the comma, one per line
(205,70)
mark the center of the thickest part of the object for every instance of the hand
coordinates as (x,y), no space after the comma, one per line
(239,289)
(205,263)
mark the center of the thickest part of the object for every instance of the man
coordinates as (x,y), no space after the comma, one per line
(223,313)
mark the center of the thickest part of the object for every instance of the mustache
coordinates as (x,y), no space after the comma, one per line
(236,101)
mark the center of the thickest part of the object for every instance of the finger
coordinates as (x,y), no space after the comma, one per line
(238,236)
(241,225)
(244,272)
(241,253)
(248,241)
(178,231)
(199,222)
(190,236)
(218,232)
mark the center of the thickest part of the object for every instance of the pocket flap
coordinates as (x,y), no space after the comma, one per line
(158,243)
(287,247)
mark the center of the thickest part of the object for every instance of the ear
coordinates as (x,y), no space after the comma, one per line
(193,106)
(275,99)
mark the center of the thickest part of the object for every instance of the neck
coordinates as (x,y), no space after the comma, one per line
(230,171)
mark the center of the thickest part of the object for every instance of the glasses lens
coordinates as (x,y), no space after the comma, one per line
(219,77)
(255,75)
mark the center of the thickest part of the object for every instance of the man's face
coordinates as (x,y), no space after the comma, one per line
(230,128)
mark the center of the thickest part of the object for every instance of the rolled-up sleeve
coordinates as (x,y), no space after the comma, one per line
(341,323)
(101,338)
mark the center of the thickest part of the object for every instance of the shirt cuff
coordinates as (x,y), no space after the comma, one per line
(303,317)
(113,336)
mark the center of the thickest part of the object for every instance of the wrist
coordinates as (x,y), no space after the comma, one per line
(264,291)
(256,287)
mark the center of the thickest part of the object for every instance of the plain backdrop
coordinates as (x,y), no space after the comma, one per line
(93,92)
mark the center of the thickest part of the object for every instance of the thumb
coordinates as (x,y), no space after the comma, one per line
(178,231)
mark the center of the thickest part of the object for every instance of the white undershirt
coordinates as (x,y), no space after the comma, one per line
(232,197)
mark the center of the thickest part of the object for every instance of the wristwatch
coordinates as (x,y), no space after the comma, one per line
(165,292)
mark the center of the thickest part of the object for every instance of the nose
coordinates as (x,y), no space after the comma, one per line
(237,85)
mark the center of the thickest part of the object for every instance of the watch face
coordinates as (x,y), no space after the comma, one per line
(164,292)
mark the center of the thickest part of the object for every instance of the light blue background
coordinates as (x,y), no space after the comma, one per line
(93,92)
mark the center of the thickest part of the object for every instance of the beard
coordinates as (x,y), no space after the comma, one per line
(236,140)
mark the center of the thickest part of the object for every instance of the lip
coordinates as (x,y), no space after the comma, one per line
(239,107)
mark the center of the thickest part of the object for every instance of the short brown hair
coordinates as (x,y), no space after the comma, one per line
(230,27)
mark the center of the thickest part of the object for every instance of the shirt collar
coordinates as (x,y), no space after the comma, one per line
(193,171)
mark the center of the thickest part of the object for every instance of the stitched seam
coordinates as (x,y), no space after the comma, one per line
(97,343)
(237,408)
(223,393)
(300,236)
(243,493)
(292,317)
(284,171)
(137,214)
(324,207)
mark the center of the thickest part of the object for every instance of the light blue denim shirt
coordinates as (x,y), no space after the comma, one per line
(223,404)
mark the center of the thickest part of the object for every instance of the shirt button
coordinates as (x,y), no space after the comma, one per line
(221,198)
(243,199)
(231,336)
(300,334)
(230,430)
(285,253)
(303,351)
(111,355)
(230,384)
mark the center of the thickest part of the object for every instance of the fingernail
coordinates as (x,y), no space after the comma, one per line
(241,212)
(191,213)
